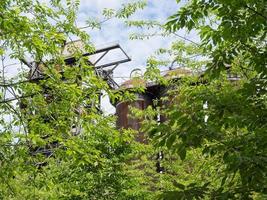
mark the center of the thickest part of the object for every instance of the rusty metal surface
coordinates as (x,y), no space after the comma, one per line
(154,91)
(126,120)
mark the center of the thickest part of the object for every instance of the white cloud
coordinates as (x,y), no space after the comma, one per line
(115,31)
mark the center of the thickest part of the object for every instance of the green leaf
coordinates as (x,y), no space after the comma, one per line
(170,140)
(179,185)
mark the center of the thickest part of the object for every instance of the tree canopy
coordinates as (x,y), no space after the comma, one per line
(222,110)
(56,144)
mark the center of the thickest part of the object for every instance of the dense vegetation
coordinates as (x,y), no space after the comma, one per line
(223,118)
(214,139)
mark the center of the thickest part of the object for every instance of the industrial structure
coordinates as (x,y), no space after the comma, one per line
(102,68)
(153,91)
(105,69)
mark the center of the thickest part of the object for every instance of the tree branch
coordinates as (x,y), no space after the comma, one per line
(256,12)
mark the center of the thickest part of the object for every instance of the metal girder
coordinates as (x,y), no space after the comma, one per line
(36,74)
(105,51)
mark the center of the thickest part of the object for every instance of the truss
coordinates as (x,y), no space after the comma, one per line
(103,68)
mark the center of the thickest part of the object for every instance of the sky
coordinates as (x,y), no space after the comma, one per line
(114,31)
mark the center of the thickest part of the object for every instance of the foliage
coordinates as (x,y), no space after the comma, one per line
(55,144)
(126,10)
(54,141)
(222,111)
